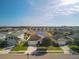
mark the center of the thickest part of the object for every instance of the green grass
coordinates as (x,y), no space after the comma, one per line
(54,48)
(50,47)
(20,47)
(73,46)
(1,48)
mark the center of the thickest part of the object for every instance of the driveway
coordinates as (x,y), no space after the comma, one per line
(31,49)
(65,49)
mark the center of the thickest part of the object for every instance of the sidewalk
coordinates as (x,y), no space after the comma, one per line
(6,50)
(66,49)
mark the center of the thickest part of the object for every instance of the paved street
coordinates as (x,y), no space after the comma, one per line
(46,56)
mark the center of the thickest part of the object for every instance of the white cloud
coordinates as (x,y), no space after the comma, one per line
(51,8)
(66,2)
(54,7)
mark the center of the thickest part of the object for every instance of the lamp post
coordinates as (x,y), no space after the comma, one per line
(27,55)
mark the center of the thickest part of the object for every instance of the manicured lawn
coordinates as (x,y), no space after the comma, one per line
(50,48)
(1,48)
(73,46)
(54,48)
(20,47)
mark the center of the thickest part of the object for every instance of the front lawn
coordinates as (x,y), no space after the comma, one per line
(54,48)
(50,47)
(1,49)
(20,47)
(73,46)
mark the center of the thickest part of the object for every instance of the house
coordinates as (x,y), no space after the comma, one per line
(11,39)
(75,35)
(20,35)
(34,40)
(2,36)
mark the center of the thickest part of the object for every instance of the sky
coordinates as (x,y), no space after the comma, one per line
(39,12)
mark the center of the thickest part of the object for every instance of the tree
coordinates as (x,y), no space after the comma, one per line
(3,44)
(46,41)
(76,41)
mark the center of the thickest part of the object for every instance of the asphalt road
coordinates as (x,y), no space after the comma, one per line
(46,56)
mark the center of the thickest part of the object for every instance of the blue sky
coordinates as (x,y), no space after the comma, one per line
(39,12)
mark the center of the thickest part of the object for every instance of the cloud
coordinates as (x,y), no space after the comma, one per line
(54,7)
(48,9)
(66,2)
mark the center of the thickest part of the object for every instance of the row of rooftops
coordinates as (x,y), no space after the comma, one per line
(56,27)
(33,37)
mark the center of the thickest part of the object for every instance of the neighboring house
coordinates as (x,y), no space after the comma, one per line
(75,35)
(19,34)
(34,40)
(11,39)
(2,36)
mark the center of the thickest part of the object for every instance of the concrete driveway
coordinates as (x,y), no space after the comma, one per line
(31,49)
